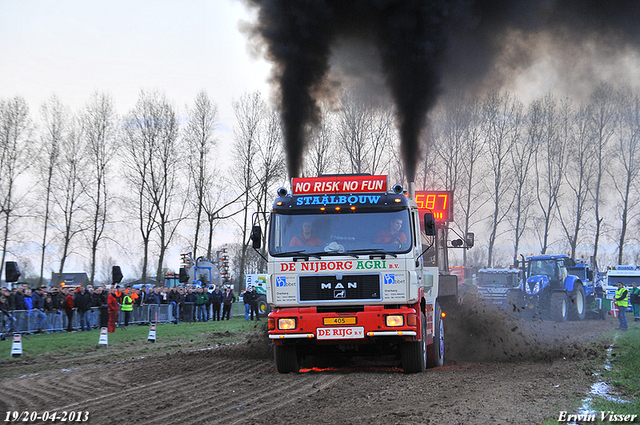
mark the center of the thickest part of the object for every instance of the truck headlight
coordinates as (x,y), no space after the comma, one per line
(286,323)
(394,320)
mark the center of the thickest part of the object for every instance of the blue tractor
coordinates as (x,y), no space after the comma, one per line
(556,287)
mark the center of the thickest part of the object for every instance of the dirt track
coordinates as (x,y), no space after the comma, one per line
(518,372)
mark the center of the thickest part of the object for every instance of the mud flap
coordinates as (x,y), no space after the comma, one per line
(448,286)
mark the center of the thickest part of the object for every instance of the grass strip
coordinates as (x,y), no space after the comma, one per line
(623,375)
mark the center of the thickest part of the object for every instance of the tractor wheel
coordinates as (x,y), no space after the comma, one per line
(263,307)
(435,356)
(558,306)
(414,353)
(577,303)
(286,357)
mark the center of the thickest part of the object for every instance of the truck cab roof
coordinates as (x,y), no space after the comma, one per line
(547,257)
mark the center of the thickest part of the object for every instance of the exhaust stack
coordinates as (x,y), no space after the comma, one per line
(412,190)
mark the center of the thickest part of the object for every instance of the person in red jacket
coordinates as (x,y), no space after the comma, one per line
(67,306)
(112,303)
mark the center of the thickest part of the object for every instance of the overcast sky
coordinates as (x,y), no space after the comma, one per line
(179,47)
(75,47)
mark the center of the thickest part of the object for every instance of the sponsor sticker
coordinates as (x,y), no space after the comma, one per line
(281,281)
(340,333)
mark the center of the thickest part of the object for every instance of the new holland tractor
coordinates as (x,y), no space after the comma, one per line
(557,288)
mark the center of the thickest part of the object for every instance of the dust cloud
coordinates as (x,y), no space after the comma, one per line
(480,332)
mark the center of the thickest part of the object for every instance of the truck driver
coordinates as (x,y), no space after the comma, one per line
(392,234)
(306,238)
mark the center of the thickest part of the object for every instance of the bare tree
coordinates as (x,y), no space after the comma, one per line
(150,166)
(15,158)
(52,132)
(626,148)
(365,132)
(249,110)
(201,142)
(69,190)
(100,131)
(579,174)
(460,148)
(382,137)
(522,156)
(550,161)
(320,157)
(210,198)
(502,123)
(603,118)
(217,206)
(137,144)
(427,173)
(269,169)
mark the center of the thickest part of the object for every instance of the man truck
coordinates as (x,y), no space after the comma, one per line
(357,269)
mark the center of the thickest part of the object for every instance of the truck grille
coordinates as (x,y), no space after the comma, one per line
(346,288)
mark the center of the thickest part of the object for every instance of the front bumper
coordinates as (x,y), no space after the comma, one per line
(358,327)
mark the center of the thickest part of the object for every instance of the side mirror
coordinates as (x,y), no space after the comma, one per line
(470,239)
(429,224)
(256,237)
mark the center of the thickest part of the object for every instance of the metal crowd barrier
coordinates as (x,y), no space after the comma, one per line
(26,322)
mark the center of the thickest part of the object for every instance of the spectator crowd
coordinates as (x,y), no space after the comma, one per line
(189,303)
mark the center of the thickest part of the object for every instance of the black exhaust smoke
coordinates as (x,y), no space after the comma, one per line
(425,47)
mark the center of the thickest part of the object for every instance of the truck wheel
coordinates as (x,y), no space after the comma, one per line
(577,303)
(263,307)
(436,351)
(558,306)
(286,357)
(414,353)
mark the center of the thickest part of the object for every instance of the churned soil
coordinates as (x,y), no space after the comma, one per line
(500,370)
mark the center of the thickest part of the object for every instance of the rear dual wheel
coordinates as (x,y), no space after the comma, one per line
(436,357)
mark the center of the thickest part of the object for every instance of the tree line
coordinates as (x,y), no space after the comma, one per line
(92,187)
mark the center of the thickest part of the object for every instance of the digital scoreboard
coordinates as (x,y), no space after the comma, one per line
(440,203)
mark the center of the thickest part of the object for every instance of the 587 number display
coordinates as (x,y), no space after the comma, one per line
(63,416)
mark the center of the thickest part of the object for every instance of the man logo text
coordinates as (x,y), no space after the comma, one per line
(339,285)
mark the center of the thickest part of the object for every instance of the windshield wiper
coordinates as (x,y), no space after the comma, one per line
(300,251)
(374,250)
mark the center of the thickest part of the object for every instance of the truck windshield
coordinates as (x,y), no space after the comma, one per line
(626,280)
(506,280)
(339,234)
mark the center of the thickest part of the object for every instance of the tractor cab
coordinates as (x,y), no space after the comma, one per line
(555,269)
